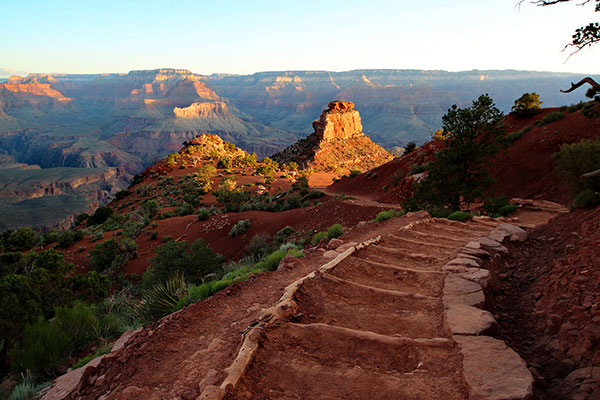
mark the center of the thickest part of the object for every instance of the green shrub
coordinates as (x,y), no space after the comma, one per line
(587,198)
(354,172)
(104,349)
(512,137)
(203,214)
(104,254)
(385,215)
(120,195)
(318,237)
(259,244)
(507,209)
(334,231)
(494,204)
(549,118)
(417,169)
(79,323)
(27,389)
(184,209)
(45,346)
(239,228)
(282,235)
(68,238)
(460,216)
(100,216)
(193,260)
(153,235)
(576,159)
(272,261)
(24,238)
(439,212)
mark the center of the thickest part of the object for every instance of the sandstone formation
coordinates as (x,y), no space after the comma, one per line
(200,110)
(337,144)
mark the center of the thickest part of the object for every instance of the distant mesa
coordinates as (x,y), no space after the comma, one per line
(337,144)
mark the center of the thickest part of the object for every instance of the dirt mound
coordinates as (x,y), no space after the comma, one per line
(547,299)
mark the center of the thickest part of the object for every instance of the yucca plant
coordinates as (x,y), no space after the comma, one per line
(163,296)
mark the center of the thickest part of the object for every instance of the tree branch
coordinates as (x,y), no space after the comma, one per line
(589,80)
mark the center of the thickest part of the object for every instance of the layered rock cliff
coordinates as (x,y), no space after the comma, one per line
(337,144)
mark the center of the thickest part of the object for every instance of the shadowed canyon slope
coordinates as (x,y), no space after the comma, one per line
(128,121)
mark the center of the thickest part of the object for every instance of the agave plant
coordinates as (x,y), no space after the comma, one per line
(162,297)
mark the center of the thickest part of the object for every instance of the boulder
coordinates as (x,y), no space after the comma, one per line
(463,319)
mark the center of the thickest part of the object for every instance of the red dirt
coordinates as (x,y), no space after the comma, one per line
(547,300)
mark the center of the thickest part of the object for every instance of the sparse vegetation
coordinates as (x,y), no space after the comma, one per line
(385,215)
(576,159)
(239,228)
(528,104)
(587,198)
(507,209)
(513,136)
(549,118)
(460,216)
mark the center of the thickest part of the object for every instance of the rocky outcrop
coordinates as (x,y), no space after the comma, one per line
(337,144)
(201,110)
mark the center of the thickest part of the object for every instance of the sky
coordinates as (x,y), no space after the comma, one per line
(247,36)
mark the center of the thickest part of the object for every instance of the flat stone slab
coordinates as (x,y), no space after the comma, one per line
(492,370)
(462,291)
(477,275)
(467,262)
(331,254)
(346,246)
(474,252)
(491,244)
(463,319)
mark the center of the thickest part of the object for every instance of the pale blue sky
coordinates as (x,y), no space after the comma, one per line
(266,35)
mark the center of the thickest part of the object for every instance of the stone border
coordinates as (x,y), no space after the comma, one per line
(491,369)
(283,308)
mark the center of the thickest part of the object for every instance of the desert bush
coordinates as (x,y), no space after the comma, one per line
(99,216)
(184,209)
(90,285)
(27,389)
(334,231)
(204,178)
(203,214)
(439,212)
(385,215)
(316,239)
(493,205)
(104,254)
(301,184)
(225,163)
(150,208)
(239,228)
(507,209)
(24,238)
(104,349)
(576,159)
(272,261)
(460,216)
(587,198)
(354,172)
(193,260)
(527,104)
(67,238)
(120,195)
(397,177)
(410,147)
(259,245)
(417,169)
(512,137)
(314,194)
(549,118)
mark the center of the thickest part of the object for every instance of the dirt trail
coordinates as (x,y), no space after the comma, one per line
(391,319)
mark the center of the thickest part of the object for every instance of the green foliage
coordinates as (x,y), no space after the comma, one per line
(68,238)
(27,389)
(259,245)
(91,285)
(160,300)
(153,235)
(587,198)
(439,212)
(301,184)
(184,209)
(527,104)
(410,147)
(459,171)
(334,231)
(549,118)
(225,163)
(150,208)
(24,238)
(203,214)
(104,254)
(417,169)
(272,261)
(240,228)
(104,349)
(512,137)
(204,178)
(318,237)
(268,167)
(385,215)
(354,172)
(460,216)
(100,216)
(120,195)
(494,204)
(507,209)
(193,260)
(576,159)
